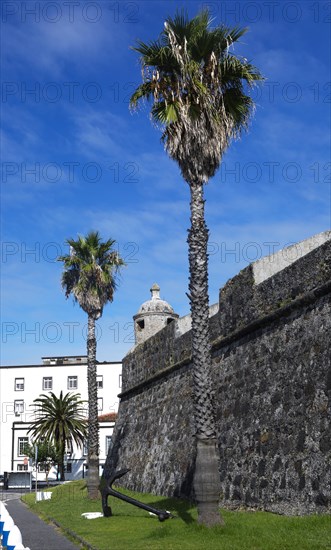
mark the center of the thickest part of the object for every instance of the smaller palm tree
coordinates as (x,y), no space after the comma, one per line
(89,275)
(60,421)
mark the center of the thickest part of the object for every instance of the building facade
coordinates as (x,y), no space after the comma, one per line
(20,385)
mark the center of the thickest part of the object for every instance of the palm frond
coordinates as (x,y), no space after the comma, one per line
(164,113)
(59,419)
(198,90)
(144,91)
(90,272)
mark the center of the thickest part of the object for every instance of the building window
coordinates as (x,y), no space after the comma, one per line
(19,384)
(22,443)
(72,382)
(100,404)
(85,448)
(47,383)
(109,443)
(99,381)
(37,411)
(18,406)
(22,467)
(68,467)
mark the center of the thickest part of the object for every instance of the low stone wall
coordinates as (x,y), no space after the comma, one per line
(272,378)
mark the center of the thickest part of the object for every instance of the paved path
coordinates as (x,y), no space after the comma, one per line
(7,495)
(37,534)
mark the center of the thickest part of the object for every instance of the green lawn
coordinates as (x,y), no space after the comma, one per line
(133,529)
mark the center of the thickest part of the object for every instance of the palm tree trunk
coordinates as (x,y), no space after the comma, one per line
(93,426)
(61,460)
(206,477)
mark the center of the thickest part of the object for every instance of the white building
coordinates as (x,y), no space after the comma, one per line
(20,385)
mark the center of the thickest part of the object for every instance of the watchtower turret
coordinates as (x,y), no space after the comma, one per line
(152,316)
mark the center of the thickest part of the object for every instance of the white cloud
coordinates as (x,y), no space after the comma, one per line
(48,48)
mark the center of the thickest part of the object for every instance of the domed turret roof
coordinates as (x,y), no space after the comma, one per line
(155,304)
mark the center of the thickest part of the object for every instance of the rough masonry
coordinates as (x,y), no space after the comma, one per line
(272,379)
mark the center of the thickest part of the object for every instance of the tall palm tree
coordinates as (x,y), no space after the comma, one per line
(199,94)
(60,421)
(90,276)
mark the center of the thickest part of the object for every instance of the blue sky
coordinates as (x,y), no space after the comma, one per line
(74,159)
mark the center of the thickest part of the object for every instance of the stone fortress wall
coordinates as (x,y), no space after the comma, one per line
(271,368)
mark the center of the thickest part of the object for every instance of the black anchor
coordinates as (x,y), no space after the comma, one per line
(107,491)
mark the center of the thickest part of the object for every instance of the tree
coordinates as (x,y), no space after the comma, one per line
(89,274)
(59,421)
(199,94)
(46,452)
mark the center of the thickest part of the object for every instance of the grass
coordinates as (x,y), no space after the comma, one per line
(131,528)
